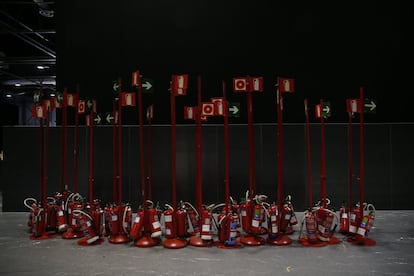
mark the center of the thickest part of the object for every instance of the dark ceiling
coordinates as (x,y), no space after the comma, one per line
(27,49)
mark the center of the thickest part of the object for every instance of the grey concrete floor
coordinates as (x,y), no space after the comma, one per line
(392,255)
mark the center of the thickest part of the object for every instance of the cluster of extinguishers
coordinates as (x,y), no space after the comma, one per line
(67,214)
(321,222)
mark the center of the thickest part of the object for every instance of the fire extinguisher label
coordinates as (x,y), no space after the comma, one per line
(273,218)
(168,218)
(287,216)
(137,219)
(274,229)
(322,229)
(205,228)
(353,217)
(255,223)
(167,231)
(243,213)
(156,224)
(344,215)
(73,221)
(88,223)
(361,231)
(114,217)
(60,213)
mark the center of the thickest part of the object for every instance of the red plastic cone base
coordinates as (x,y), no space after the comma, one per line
(252,240)
(197,241)
(281,240)
(364,242)
(146,241)
(175,243)
(118,239)
(84,242)
(318,243)
(225,246)
(72,234)
(45,236)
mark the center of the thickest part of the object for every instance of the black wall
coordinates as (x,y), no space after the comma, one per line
(389,152)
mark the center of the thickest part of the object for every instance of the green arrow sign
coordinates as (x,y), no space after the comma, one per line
(97,119)
(326,109)
(369,106)
(109,117)
(234,110)
(147,85)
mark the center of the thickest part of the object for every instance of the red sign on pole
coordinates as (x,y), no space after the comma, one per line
(286,85)
(190,112)
(256,84)
(240,84)
(207,109)
(179,84)
(135,78)
(353,105)
(81,107)
(127,98)
(38,111)
(70,100)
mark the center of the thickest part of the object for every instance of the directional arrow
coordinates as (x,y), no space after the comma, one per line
(147,85)
(115,86)
(326,109)
(369,106)
(109,118)
(97,119)
(234,109)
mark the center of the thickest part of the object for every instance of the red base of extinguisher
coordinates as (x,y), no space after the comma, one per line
(281,240)
(197,241)
(364,242)
(252,240)
(117,239)
(318,243)
(225,246)
(45,236)
(146,241)
(72,234)
(175,243)
(289,231)
(84,242)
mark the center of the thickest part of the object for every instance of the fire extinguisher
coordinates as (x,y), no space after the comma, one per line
(127,218)
(344,219)
(246,216)
(273,221)
(114,220)
(87,225)
(97,215)
(227,229)
(366,223)
(136,228)
(154,223)
(285,217)
(293,218)
(354,219)
(182,224)
(206,225)
(311,227)
(38,228)
(31,204)
(193,218)
(169,222)
(50,215)
(257,218)
(62,226)
(325,220)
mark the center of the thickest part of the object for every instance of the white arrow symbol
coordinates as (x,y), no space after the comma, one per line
(115,86)
(97,119)
(109,118)
(234,109)
(326,109)
(371,105)
(147,85)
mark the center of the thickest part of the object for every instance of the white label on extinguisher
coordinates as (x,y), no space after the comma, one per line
(322,229)
(353,217)
(344,215)
(255,223)
(168,218)
(273,218)
(88,223)
(60,213)
(233,234)
(243,213)
(114,217)
(287,216)
(274,228)
(69,210)
(352,229)
(73,221)
(205,228)
(167,231)
(361,231)
(156,224)
(137,219)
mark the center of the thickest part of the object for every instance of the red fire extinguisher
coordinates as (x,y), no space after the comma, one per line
(206,225)
(273,221)
(227,233)
(136,228)
(246,216)
(62,226)
(193,217)
(182,223)
(88,228)
(311,227)
(114,220)
(257,219)
(325,220)
(366,223)
(50,215)
(154,223)
(344,219)
(354,219)
(31,204)
(169,222)
(286,215)
(38,225)
(126,218)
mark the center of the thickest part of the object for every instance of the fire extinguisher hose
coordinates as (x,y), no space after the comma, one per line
(83,213)
(25,202)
